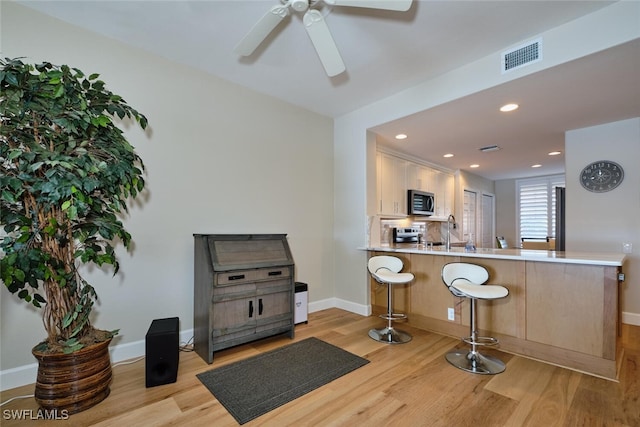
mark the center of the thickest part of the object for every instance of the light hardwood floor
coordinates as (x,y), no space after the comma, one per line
(404,385)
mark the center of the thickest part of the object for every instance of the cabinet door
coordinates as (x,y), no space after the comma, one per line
(274,302)
(274,298)
(392,185)
(443,188)
(419,177)
(449,193)
(233,309)
(233,318)
(272,306)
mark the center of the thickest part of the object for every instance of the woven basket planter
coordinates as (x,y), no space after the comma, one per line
(73,382)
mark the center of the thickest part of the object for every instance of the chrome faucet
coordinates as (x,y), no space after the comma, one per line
(451,220)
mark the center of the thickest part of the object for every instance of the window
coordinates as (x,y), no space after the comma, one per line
(536,203)
(469,215)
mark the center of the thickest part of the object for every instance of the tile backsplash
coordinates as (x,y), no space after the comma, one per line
(431,230)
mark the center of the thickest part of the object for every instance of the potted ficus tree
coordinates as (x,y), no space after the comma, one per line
(67,173)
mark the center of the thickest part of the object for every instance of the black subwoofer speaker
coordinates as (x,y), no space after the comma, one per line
(162,349)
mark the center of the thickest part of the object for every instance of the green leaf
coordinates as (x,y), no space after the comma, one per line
(41,347)
(71,345)
(35,166)
(63,146)
(19,275)
(59,92)
(69,318)
(72,213)
(8,196)
(14,153)
(11,258)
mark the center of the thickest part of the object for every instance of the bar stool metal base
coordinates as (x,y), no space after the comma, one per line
(390,336)
(475,362)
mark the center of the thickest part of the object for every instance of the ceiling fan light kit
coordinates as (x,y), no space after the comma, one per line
(315,26)
(299,5)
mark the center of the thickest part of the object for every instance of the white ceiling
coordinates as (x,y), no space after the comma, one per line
(386,52)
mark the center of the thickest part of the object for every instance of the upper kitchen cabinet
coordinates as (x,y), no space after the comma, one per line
(444,190)
(391,185)
(419,177)
(396,175)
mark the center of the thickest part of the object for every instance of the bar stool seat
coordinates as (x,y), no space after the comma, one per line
(386,270)
(467,280)
(469,289)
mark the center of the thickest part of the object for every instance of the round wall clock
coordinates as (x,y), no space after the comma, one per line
(601,176)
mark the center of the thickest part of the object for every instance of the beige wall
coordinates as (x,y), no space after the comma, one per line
(608,27)
(469,181)
(212,143)
(220,159)
(603,221)
(596,222)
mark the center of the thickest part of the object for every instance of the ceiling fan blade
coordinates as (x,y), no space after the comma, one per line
(323,42)
(399,5)
(261,30)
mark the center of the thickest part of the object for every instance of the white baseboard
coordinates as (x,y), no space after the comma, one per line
(363,310)
(16,377)
(631,318)
(22,375)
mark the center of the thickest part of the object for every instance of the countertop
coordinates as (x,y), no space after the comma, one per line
(571,257)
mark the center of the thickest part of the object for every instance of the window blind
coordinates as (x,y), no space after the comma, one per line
(536,201)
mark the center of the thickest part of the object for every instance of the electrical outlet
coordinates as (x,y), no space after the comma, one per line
(451,315)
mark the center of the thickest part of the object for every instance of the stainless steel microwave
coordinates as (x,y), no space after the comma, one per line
(421,203)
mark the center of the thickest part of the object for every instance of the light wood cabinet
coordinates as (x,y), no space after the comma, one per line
(563,313)
(243,290)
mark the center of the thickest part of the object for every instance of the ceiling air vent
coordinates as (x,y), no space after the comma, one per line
(520,56)
(489,148)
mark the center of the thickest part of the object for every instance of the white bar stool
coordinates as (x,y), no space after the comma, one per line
(468,281)
(386,270)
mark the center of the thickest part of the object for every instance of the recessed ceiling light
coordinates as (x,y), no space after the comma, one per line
(536,166)
(555,153)
(401,136)
(509,107)
(448,155)
(474,166)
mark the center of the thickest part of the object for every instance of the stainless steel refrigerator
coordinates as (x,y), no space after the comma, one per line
(560,218)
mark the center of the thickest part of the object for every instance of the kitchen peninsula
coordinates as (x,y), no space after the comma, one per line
(562,307)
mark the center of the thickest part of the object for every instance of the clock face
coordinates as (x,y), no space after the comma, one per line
(601,176)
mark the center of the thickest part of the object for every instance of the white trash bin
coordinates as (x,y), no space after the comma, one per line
(301,303)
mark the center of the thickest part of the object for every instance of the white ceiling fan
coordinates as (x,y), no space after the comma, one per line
(315,25)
